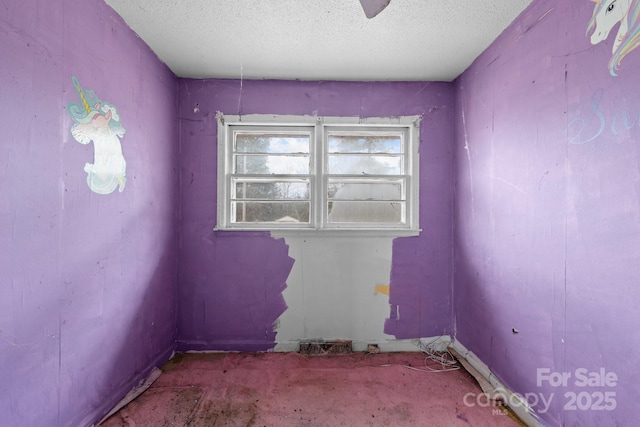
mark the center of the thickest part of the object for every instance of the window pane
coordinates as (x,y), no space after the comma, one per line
(364,143)
(279,212)
(259,164)
(350,164)
(366,212)
(281,190)
(271,143)
(367,190)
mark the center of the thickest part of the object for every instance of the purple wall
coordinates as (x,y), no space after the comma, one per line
(540,138)
(231,283)
(87,290)
(548,211)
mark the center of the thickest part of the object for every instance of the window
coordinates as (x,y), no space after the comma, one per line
(317,173)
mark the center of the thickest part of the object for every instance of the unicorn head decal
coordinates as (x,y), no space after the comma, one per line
(98,121)
(606,14)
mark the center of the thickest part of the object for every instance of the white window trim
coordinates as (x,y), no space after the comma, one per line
(412,123)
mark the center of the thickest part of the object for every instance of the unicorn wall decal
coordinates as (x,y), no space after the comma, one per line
(98,121)
(606,14)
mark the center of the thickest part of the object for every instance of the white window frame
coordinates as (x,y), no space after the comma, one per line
(319,126)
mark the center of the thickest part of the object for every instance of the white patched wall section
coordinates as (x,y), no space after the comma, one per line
(336,290)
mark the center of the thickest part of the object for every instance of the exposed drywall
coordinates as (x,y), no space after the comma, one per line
(548,207)
(331,290)
(231,283)
(88,280)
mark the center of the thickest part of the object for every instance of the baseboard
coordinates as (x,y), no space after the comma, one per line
(97,415)
(250,346)
(439,343)
(487,379)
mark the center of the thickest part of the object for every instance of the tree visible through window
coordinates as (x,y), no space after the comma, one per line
(271,177)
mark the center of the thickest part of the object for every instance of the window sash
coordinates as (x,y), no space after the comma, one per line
(373,201)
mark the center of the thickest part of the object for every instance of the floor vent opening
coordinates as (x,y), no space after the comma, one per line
(321,348)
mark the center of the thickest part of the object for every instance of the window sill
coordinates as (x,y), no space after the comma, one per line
(343,232)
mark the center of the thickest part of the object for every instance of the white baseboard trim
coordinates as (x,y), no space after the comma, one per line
(514,401)
(108,404)
(142,386)
(440,343)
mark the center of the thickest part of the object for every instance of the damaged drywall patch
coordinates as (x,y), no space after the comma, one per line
(332,290)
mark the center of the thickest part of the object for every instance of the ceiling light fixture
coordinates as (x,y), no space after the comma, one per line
(373,7)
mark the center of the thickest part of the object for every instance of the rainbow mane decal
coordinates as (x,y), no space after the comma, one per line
(608,13)
(98,121)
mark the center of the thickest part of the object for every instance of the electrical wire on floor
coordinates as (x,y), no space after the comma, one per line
(444,359)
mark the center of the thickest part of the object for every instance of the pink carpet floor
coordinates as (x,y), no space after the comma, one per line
(289,389)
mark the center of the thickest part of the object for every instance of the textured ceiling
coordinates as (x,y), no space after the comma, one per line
(318,39)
